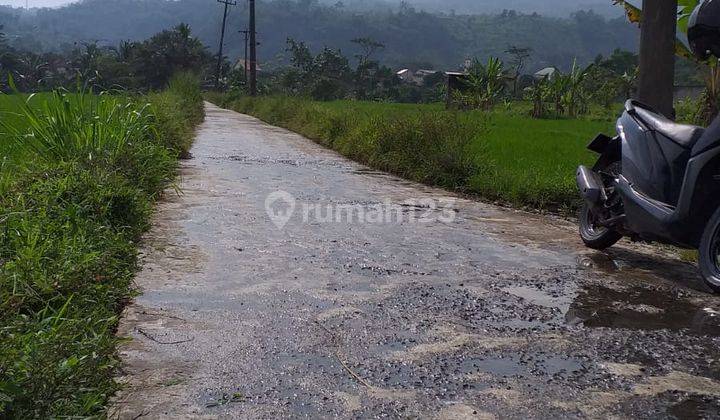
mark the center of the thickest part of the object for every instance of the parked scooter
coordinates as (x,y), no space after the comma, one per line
(658,180)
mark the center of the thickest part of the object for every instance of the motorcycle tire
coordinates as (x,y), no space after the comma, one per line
(709,259)
(599,238)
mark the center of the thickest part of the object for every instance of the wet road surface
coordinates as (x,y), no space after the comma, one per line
(454,311)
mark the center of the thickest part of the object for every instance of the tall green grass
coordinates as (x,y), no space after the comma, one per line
(79,177)
(75,127)
(177,111)
(502,155)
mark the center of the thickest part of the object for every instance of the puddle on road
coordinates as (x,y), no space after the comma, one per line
(527,364)
(695,407)
(639,308)
(599,261)
(539,297)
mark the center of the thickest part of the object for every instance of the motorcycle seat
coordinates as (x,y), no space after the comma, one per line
(684,135)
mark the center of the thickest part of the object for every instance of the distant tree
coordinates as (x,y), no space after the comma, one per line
(300,55)
(326,76)
(619,62)
(518,58)
(166,53)
(8,60)
(372,81)
(332,75)
(369,47)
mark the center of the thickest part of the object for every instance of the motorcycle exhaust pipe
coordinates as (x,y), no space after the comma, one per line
(590,185)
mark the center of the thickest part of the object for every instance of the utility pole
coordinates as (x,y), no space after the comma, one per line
(245,63)
(227,3)
(253,51)
(657,55)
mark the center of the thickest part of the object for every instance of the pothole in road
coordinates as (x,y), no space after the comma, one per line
(640,308)
(523,365)
(599,261)
(633,308)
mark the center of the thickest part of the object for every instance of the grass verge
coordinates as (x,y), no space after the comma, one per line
(79,176)
(503,156)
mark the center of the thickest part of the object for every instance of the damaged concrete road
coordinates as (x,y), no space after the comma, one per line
(489,313)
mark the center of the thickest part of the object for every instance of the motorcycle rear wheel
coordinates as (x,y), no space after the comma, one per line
(596,237)
(709,260)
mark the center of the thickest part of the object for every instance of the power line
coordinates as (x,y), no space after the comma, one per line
(227,3)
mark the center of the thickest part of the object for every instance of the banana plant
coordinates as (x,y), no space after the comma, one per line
(485,84)
(537,94)
(685,9)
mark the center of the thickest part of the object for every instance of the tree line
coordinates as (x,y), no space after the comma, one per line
(140,65)
(412,37)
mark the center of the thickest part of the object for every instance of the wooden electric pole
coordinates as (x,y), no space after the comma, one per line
(657,55)
(218,74)
(246,33)
(253,51)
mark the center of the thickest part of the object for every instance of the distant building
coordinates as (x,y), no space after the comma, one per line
(406,75)
(242,65)
(417,78)
(546,73)
(422,74)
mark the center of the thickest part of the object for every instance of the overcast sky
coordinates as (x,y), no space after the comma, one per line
(34,3)
(54,3)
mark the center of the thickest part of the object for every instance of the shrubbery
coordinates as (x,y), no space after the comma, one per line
(79,179)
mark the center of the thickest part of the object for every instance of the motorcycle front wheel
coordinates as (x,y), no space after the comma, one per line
(596,237)
(709,251)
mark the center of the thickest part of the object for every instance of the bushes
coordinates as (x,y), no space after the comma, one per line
(77,193)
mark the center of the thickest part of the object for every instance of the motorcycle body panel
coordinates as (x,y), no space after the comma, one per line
(669,192)
(652,163)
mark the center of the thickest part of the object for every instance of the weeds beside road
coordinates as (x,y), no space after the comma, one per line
(502,155)
(78,180)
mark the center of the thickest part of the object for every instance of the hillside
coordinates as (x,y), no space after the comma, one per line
(556,8)
(412,37)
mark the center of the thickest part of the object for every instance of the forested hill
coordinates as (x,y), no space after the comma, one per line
(412,37)
(558,8)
